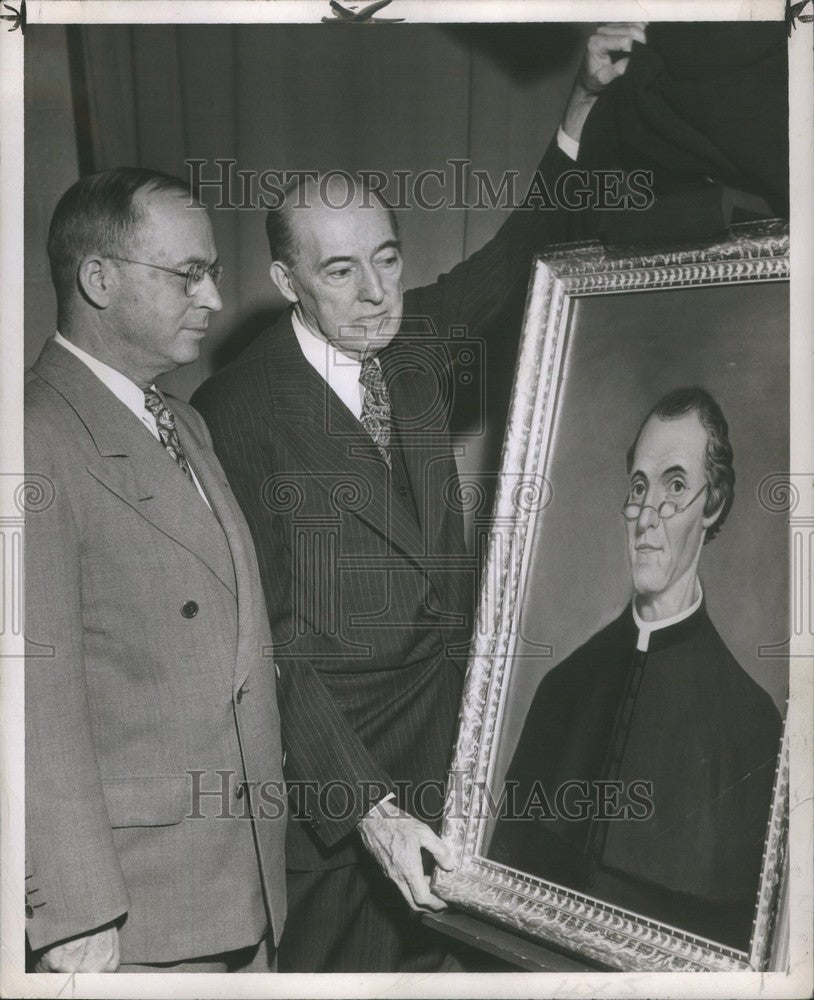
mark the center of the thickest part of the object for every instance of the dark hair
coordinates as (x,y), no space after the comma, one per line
(97,215)
(279,230)
(718,466)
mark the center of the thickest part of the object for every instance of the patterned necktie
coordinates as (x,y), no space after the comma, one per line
(375,416)
(168,435)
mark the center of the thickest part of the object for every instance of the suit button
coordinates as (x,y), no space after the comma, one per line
(190,609)
(403,492)
(239,790)
(29,910)
(315,823)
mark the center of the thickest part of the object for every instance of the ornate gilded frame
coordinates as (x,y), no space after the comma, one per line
(599,932)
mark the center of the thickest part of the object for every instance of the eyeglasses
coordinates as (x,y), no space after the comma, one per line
(665,510)
(194,274)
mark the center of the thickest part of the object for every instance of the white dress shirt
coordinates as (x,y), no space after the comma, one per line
(568,145)
(647,628)
(337,369)
(125,390)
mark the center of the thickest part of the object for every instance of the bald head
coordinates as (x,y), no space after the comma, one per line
(336,257)
(336,191)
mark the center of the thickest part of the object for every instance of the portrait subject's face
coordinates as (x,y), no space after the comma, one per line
(668,465)
(160,328)
(346,276)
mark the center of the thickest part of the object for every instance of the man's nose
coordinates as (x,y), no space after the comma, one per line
(371,288)
(648,518)
(208,295)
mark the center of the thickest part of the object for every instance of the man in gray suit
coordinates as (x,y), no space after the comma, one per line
(151,723)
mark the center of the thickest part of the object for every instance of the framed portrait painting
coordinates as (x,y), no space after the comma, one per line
(619,787)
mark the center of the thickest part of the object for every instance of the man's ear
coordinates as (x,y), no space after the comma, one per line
(94,280)
(709,519)
(281,276)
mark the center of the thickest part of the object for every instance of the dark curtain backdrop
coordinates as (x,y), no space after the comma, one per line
(317,97)
(286,97)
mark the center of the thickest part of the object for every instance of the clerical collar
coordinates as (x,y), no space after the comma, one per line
(646,629)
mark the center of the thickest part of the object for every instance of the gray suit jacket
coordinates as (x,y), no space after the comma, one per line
(149,683)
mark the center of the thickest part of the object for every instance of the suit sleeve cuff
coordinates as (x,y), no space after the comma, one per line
(335,810)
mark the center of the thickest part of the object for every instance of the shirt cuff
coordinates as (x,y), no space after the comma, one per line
(387,798)
(568,145)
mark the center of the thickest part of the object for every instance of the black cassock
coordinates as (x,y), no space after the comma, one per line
(683,716)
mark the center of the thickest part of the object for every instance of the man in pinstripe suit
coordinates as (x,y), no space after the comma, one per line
(332,430)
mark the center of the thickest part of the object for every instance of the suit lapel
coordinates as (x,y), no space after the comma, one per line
(416,393)
(418,380)
(328,441)
(134,466)
(250,606)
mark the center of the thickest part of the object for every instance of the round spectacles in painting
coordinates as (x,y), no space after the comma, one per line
(665,510)
(194,274)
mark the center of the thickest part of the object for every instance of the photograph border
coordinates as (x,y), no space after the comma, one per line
(792,983)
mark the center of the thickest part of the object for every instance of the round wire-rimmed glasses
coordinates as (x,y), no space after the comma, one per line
(665,510)
(194,274)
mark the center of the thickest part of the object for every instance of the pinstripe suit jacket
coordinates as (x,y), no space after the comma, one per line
(367,581)
(148,658)
(364,591)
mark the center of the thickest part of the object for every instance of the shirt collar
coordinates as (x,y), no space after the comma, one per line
(337,369)
(126,391)
(646,629)
(123,388)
